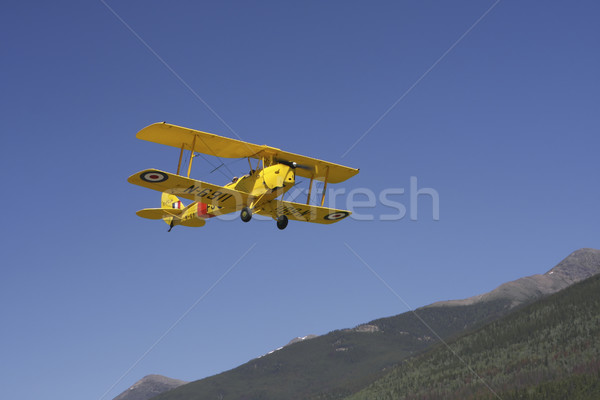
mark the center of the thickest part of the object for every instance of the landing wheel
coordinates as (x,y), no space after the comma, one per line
(282,221)
(246,214)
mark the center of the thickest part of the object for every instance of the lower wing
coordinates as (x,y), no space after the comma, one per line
(224,200)
(302,212)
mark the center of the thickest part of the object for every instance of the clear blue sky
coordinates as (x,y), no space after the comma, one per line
(505,127)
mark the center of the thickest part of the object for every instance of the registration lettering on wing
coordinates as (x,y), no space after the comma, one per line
(208,194)
(292,211)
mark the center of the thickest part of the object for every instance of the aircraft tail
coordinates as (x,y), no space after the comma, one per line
(173,212)
(170,201)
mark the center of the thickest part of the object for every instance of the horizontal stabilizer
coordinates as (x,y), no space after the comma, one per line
(159,213)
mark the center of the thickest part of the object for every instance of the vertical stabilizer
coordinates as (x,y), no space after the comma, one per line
(170,201)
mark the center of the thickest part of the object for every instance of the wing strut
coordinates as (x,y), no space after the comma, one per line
(180,157)
(325,186)
(191,156)
(310,188)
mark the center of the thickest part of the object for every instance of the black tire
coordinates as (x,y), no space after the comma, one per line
(246,214)
(282,222)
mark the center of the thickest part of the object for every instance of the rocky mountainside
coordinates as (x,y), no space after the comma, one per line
(148,387)
(579,265)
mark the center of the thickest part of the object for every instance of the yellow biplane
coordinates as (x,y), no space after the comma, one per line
(257,192)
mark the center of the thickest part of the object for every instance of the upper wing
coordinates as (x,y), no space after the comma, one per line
(302,212)
(202,142)
(224,199)
(219,146)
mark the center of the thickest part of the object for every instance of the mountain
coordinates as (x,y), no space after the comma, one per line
(337,364)
(301,339)
(148,387)
(579,265)
(294,340)
(342,362)
(547,350)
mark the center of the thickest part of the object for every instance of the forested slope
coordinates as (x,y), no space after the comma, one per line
(547,350)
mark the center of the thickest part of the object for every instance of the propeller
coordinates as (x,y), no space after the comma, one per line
(293,164)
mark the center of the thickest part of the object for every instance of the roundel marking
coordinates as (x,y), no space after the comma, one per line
(154,176)
(336,215)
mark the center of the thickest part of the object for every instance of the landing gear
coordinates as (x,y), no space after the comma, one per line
(246,214)
(282,222)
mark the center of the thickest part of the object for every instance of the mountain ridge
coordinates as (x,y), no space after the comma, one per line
(577,266)
(334,365)
(149,386)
